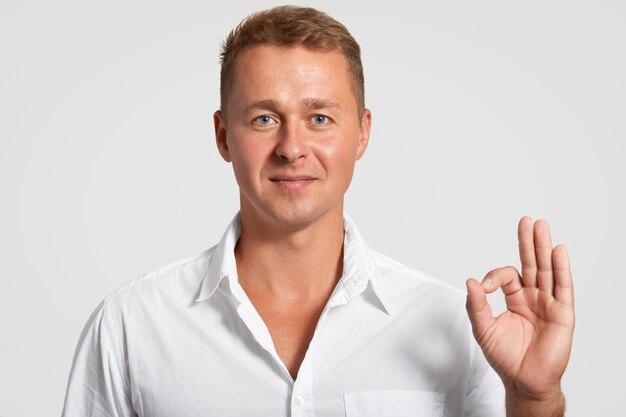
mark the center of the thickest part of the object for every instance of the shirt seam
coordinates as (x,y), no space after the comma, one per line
(396,266)
(113,336)
(203,256)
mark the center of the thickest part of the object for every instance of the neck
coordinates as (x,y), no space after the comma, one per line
(294,264)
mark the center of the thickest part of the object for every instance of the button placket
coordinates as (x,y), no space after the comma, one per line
(302,402)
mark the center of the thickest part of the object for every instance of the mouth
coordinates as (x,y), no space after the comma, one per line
(292,181)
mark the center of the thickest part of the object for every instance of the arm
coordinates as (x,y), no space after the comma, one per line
(529,344)
(98,385)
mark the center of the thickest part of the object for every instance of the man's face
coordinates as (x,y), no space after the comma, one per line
(291,129)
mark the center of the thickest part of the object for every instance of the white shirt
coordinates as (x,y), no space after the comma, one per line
(185,341)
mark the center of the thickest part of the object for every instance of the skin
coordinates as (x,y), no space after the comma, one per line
(293,133)
(271,133)
(529,344)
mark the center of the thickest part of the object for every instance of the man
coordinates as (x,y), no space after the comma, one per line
(292,313)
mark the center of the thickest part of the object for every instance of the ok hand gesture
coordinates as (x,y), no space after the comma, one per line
(529,344)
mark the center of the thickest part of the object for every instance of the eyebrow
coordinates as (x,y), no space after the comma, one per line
(308,103)
(320,103)
(262,104)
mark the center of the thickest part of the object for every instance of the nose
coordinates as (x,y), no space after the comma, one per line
(291,144)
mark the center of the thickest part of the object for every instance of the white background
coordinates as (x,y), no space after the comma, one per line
(483,112)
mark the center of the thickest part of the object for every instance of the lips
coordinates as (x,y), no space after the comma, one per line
(292,178)
(292,181)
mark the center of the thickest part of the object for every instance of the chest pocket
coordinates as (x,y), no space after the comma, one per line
(394,404)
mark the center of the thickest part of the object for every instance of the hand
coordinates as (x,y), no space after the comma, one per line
(529,344)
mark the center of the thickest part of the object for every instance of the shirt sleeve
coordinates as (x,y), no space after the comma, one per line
(99,385)
(485,393)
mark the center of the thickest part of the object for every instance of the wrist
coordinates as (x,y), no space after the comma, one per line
(522,403)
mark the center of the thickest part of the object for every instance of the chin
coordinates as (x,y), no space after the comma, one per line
(294,217)
(278,212)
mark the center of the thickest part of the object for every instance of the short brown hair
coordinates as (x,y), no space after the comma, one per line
(291,26)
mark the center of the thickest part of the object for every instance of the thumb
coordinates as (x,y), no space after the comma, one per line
(478,308)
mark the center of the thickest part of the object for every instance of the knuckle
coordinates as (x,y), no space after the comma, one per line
(502,274)
(511,269)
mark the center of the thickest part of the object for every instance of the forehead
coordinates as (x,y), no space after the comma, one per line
(283,58)
(286,73)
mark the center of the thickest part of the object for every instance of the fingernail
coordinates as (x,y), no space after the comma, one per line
(487,283)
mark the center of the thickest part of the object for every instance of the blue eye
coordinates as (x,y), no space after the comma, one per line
(263,120)
(320,119)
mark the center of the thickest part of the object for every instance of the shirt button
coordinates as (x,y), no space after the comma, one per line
(299,401)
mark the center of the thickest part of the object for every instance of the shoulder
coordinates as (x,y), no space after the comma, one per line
(431,308)
(149,303)
(181,278)
(398,271)
(406,282)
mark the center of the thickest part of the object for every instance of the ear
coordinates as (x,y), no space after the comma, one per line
(221,136)
(364,133)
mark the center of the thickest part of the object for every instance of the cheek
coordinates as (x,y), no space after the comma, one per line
(340,153)
(339,161)
(243,164)
(248,161)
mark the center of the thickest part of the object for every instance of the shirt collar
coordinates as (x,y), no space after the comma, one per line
(359,266)
(223,262)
